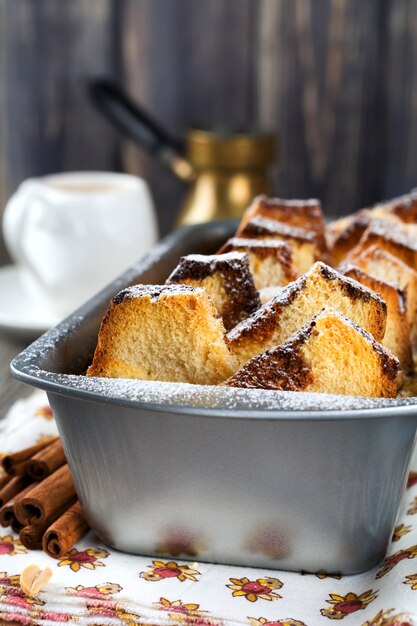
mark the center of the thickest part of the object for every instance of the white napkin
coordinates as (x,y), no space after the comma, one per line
(96,585)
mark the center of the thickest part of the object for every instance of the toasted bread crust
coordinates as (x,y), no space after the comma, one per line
(393,238)
(404,207)
(162,332)
(227,279)
(383,265)
(348,237)
(303,242)
(263,247)
(152,291)
(305,214)
(343,239)
(298,363)
(283,368)
(262,227)
(260,252)
(276,320)
(397,333)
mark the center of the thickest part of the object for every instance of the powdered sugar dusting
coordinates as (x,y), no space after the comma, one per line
(211,397)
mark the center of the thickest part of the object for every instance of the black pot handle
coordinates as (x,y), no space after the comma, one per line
(134,122)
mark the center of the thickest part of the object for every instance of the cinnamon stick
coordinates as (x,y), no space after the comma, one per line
(48,496)
(7,515)
(66,531)
(4,479)
(12,488)
(15,525)
(31,535)
(15,462)
(46,461)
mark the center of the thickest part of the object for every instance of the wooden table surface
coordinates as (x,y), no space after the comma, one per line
(10,389)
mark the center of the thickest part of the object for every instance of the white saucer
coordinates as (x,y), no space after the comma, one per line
(19,315)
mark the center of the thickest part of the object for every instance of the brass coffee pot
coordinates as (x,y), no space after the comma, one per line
(229,169)
(224,169)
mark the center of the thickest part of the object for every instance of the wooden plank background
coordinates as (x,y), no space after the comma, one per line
(335,79)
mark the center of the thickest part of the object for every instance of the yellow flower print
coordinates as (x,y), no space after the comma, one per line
(263,621)
(253,590)
(88,559)
(9,581)
(171,569)
(98,592)
(412,581)
(391,561)
(400,531)
(11,546)
(342,606)
(177,610)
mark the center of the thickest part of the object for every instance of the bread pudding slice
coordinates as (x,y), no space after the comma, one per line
(392,210)
(404,207)
(270,261)
(298,302)
(398,239)
(345,236)
(329,354)
(305,214)
(385,266)
(303,242)
(163,332)
(397,332)
(227,280)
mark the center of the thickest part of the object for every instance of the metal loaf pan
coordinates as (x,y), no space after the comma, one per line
(249,477)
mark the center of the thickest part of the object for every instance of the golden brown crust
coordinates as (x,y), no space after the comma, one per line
(232,289)
(348,237)
(279,251)
(303,242)
(293,365)
(345,233)
(153,291)
(394,238)
(263,247)
(282,368)
(163,332)
(397,334)
(305,214)
(259,227)
(275,321)
(383,265)
(405,207)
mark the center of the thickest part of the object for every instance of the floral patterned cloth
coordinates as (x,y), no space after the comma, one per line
(95,585)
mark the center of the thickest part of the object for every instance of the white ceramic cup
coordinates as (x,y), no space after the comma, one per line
(72,233)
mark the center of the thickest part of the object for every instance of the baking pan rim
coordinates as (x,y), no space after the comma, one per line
(56,383)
